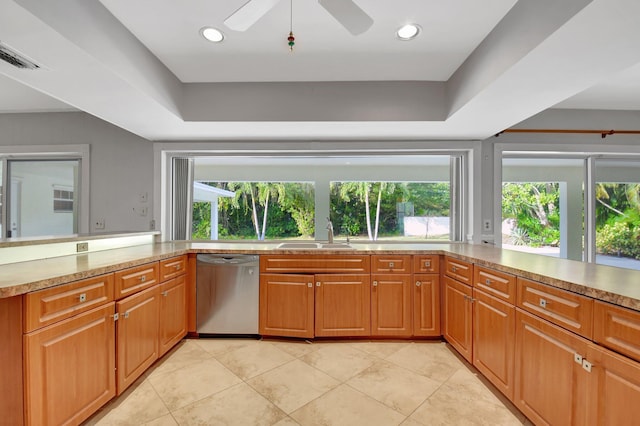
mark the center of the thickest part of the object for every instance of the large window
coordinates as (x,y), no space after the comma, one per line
(253,210)
(391,210)
(542,206)
(391,197)
(617,212)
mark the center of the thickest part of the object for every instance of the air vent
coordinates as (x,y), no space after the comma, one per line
(14,58)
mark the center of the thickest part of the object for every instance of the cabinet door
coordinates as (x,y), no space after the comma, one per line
(343,305)
(550,384)
(137,331)
(173,313)
(286,305)
(458,316)
(69,368)
(391,305)
(426,305)
(494,330)
(615,392)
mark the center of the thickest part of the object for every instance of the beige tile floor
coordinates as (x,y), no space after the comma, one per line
(282,382)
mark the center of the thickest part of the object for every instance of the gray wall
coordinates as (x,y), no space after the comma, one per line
(121,163)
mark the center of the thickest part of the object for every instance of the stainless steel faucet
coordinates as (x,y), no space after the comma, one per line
(330,228)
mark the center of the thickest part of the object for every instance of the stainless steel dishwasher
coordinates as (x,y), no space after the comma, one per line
(227,294)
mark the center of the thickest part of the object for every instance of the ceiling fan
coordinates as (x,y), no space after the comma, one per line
(354,19)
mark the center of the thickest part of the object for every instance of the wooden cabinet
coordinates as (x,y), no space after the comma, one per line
(137,333)
(551,385)
(172,267)
(342,305)
(426,264)
(315,263)
(494,328)
(495,283)
(391,305)
(426,305)
(460,270)
(11,382)
(617,328)
(568,310)
(391,295)
(51,305)
(458,314)
(392,263)
(338,302)
(615,388)
(287,305)
(132,280)
(173,313)
(69,368)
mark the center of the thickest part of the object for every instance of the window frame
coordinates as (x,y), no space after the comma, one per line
(80,152)
(468,172)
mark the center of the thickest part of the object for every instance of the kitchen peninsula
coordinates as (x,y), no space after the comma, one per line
(514,307)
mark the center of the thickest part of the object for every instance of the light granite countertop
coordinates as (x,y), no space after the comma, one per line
(615,285)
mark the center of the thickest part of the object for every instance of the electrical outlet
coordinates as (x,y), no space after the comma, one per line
(486,225)
(80,247)
(143,196)
(152,225)
(99,224)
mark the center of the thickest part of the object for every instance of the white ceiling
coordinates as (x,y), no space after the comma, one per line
(476,68)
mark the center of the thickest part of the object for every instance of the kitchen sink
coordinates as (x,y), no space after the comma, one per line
(313,246)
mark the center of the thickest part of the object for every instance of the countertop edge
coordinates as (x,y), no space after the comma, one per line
(557,271)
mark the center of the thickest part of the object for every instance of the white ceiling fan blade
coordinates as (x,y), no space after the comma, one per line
(248,14)
(354,19)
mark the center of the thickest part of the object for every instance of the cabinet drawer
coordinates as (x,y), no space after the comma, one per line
(347,264)
(132,280)
(496,283)
(617,328)
(426,264)
(173,267)
(51,305)
(568,310)
(459,269)
(385,264)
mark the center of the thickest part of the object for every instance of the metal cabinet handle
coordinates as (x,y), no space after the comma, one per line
(82,298)
(177,267)
(487,281)
(126,315)
(543,303)
(586,365)
(317,283)
(375,283)
(309,285)
(427,264)
(418,283)
(165,293)
(453,268)
(391,265)
(143,278)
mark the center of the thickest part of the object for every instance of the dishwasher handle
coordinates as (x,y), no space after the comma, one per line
(227,259)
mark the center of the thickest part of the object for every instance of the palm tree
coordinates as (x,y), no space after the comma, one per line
(361,190)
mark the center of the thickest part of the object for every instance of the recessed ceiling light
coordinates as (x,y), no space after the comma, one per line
(212,34)
(408,32)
